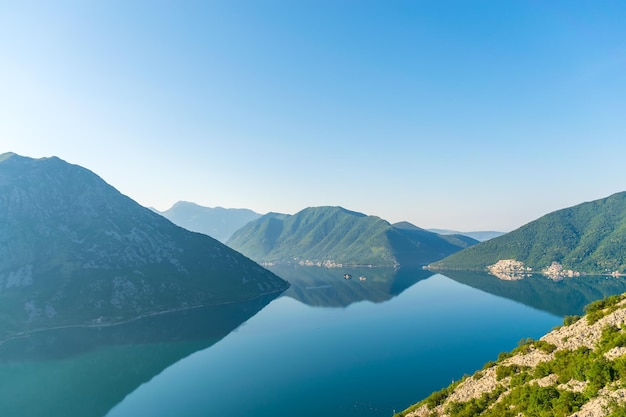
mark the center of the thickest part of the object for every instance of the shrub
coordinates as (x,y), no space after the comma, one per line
(534,400)
(617,410)
(611,337)
(569,320)
(524,345)
(438,397)
(603,304)
(544,346)
(520,378)
(594,316)
(504,371)
(474,406)
(598,309)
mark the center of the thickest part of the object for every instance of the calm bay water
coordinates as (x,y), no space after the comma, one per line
(329,346)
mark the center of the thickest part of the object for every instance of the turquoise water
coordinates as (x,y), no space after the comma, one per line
(366,359)
(390,340)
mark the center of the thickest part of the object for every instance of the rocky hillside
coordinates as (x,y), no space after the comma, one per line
(218,222)
(576,370)
(587,238)
(333,236)
(73,250)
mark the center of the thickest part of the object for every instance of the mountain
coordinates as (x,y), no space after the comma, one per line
(480,236)
(328,236)
(217,222)
(588,238)
(577,369)
(75,251)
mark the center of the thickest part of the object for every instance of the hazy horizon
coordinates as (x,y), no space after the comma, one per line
(453,115)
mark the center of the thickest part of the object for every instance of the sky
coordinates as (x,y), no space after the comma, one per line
(464,115)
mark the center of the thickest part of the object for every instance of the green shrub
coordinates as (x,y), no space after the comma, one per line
(598,309)
(594,316)
(611,337)
(619,364)
(505,371)
(544,346)
(603,304)
(438,397)
(617,410)
(533,400)
(569,320)
(542,370)
(519,379)
(599,373)
(475,406)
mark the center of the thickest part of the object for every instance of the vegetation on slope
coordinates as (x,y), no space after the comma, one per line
(590,238)
(579,367)
(334,235)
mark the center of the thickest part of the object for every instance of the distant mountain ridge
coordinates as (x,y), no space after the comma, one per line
(218,222)
(74,250)
(333,235)
(588,238)
(481,235)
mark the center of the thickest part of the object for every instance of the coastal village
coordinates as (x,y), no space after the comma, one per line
(512,270)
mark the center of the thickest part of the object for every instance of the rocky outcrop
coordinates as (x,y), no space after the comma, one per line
(556,272)
(509,270)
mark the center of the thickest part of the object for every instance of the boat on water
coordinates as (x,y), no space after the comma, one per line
(362,278)
(347,276)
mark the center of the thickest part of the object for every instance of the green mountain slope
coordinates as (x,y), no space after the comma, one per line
(589,237)
(73,250)
(334,235)
(218,222)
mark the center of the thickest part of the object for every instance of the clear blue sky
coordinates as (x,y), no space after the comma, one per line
(468,115)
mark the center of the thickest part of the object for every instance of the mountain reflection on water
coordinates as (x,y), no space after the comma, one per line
(86,371)
(416,332)
(327,287)
(565,297)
